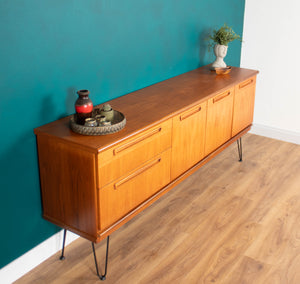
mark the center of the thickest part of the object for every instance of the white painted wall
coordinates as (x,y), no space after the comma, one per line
(271,44)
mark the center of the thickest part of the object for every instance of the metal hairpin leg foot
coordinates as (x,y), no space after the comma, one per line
(103,276)
(240,149)
(62,257)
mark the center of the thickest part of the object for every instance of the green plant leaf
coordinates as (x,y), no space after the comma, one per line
(222,36)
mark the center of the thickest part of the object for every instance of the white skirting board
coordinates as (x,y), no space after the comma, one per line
(40,253)
(20,266)
(279,134)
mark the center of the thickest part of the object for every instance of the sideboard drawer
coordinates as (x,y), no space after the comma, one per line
(129,191)
(133,152)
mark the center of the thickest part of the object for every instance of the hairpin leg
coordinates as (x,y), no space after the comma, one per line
(103,276)
(62,257)
(240,149)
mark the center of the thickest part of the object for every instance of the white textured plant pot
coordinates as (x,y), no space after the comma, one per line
(220,52)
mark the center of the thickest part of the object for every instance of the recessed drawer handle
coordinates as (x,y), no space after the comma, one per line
(186,115)
(136,173)
(137,140)
(220,97)
(241,86)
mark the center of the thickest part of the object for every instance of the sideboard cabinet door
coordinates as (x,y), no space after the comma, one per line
(243,105)
(188,139)
(219,120)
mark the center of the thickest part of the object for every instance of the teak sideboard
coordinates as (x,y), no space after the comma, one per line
(92,185)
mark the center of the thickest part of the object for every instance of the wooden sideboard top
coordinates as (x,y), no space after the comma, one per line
(150,105)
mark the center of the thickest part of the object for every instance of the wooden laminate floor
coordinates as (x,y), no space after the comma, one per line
(229,222)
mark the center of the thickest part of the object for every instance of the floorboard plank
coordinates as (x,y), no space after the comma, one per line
(230,222)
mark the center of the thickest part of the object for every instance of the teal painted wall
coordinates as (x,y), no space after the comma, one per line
(51,48)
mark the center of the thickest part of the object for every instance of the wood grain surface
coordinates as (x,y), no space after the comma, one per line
(188,139)
(229,222)
(243,109)
(149,105)
(219,120)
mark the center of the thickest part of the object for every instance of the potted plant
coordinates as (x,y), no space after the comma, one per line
(219,40)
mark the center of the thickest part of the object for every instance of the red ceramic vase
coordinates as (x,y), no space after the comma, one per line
(83,106)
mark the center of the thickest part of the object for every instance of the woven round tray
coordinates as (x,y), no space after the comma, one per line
(118,123)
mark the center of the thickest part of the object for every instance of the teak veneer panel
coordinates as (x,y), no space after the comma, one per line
(125,157)
(219,120)
(68,186)
(243,105)
(120,197)
(188,139)
(150,105)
